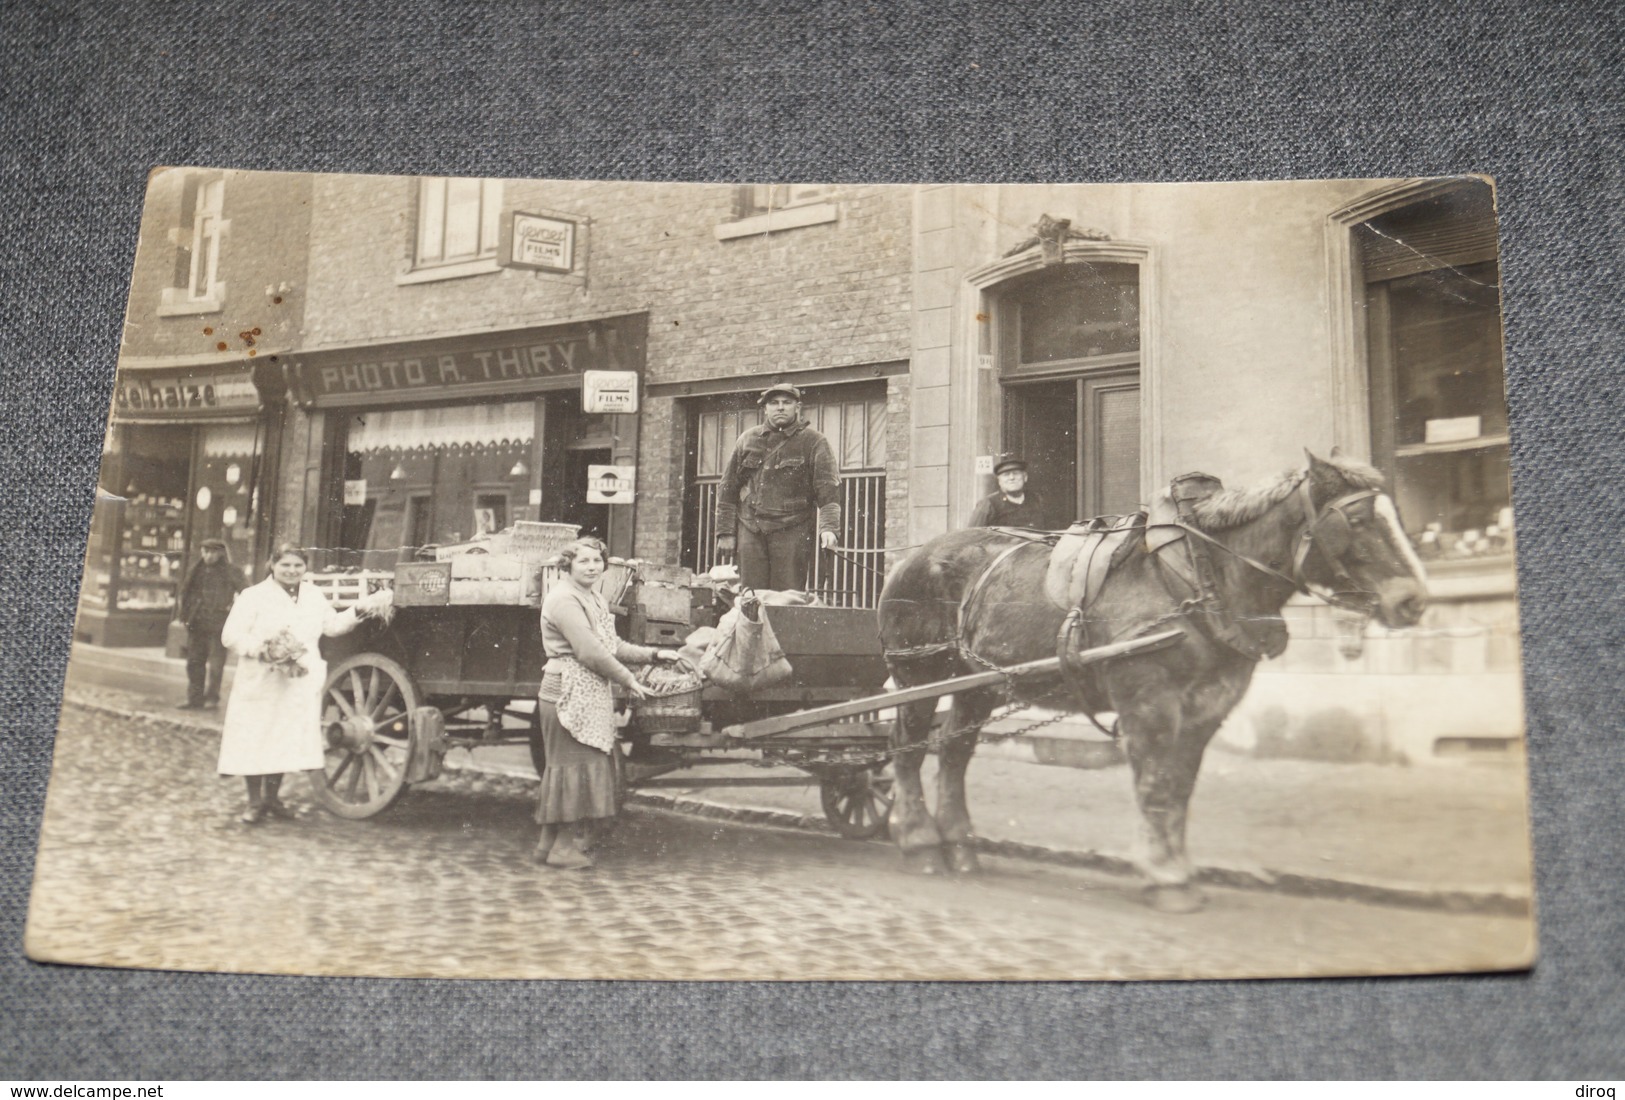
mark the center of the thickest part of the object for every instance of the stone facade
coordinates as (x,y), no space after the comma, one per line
(1244,360)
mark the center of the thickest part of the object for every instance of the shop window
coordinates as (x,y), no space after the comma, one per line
(458,221)
(196,286)
(1068,350)
(1437,381)
(419,478)
(853,419)
(770,207)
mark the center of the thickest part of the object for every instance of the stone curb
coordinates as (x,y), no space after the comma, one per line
(1485,902)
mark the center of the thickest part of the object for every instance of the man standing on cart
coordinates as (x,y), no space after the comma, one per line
(780,490)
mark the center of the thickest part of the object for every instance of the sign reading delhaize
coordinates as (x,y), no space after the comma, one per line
(498,364)
(185,393)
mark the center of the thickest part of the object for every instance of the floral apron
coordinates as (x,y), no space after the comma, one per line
(586,707)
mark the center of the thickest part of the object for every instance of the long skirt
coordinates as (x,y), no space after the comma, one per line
(578,781)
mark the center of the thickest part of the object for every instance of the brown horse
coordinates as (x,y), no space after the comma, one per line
(1327,529)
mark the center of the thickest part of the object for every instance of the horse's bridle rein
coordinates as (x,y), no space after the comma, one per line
(1334,512)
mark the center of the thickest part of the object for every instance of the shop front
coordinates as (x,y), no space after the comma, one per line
(186,451)
(437,442)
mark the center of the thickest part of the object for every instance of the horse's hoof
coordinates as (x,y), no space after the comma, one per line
(925,861)
(1175,899)
(962,859)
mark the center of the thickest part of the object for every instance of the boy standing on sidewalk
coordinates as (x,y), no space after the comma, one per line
(205,602)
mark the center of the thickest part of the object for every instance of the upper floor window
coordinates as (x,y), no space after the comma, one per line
(196,286)
(760,198)
(458,221)
(770,207)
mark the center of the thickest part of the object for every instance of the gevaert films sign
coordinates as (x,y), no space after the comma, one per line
(611,484)
(609,391)
(538,242)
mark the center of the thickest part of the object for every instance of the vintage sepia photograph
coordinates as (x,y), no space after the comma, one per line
(548,579)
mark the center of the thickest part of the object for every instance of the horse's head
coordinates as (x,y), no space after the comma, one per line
(1353,549)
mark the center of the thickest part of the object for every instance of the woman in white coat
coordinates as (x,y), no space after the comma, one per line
(273,718)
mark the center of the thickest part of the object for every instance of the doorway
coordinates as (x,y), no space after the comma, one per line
(1081,439)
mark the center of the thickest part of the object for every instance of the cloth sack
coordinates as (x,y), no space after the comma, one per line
(746,655)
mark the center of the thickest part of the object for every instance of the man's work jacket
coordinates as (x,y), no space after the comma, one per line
(778,479)
(209,592)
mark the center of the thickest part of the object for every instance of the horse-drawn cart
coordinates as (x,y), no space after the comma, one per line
(444,675)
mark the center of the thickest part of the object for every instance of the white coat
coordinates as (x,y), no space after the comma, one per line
(273,721)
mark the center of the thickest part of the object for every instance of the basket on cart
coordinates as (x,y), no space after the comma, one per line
(679,713)
(673,702)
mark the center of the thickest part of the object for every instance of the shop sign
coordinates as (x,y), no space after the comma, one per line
(611,484)
(538,242)
(609,391)
(494,368)
(355,492)
(191,393)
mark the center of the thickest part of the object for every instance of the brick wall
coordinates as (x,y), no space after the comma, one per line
(824,295)
(267,218)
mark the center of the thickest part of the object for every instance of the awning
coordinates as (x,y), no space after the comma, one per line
(465,426)
(230,441)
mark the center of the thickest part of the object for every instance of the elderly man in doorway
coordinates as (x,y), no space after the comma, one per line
(781,485)
(1014,505)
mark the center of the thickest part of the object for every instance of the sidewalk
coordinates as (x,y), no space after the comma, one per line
(1453,836)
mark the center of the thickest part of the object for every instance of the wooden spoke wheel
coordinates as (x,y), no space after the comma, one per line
(367,708)
(857,800)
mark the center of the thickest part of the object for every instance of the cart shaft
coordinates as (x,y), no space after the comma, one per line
(818,716)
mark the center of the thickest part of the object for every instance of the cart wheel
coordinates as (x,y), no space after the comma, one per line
(366,732)
(856,801)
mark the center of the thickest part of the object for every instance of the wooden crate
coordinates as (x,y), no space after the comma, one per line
(344,589)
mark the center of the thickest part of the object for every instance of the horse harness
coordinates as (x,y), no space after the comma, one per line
(1329,529)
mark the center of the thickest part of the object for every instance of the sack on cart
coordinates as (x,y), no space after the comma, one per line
(746,655)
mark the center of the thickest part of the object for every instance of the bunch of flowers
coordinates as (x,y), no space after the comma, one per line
(285,654)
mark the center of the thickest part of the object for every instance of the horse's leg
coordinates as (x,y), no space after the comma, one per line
(1165,759)
(953,758)
(911,823)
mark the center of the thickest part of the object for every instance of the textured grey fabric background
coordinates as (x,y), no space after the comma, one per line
(93,95)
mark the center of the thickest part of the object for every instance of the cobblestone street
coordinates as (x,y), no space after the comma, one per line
(145,865)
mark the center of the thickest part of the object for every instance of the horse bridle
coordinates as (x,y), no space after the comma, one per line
(1335,518)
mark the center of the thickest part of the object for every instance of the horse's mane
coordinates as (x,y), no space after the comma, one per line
(1233,507)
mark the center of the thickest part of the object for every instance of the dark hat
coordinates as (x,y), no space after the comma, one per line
(1008,462)
(779,387)
(212,544)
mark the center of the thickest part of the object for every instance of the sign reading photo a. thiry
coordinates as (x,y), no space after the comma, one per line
(478,365)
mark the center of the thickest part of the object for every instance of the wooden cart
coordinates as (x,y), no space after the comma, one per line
(399,697)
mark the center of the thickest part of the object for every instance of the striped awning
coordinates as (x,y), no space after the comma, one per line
(433,429)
